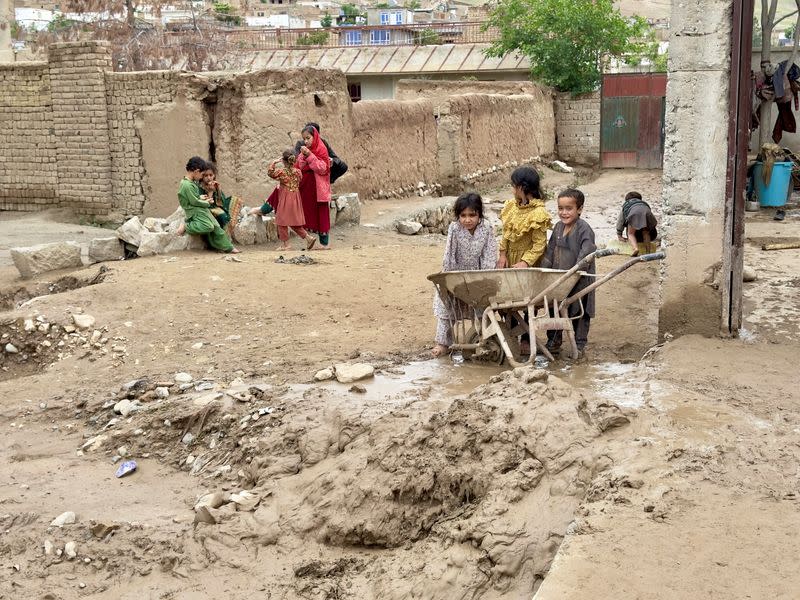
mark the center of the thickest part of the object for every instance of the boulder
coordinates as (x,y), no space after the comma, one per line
(271,228)
(262,237)
(409,227)
(33,260)
(561,167)
(163,243)
(175,219)
(83,321)
(103,249)
(131,231)
(749,274)
(324,374)
(245,231)
(348,373)
(348,209)
(154,225)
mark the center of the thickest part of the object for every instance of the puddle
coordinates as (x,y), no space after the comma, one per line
(628,385)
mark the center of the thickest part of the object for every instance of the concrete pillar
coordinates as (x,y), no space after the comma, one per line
(695,164)
(6,17)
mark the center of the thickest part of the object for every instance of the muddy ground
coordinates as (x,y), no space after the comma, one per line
(649,470)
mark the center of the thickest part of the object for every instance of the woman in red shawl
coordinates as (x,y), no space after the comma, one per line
(315,187)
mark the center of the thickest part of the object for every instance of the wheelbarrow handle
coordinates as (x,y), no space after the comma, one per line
(605,252)
(654,256)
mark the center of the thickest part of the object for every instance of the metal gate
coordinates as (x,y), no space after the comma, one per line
(632,120)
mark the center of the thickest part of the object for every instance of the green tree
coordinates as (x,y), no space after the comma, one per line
(413,4)
(350,14)
(326,21)
(318,38)
(789,33)
(567,41)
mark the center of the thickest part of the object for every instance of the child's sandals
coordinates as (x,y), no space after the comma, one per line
(310,241)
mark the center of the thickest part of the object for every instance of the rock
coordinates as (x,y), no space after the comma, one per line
(11,349)
(48,548)
(260,227)
(29,325)
(358,389)
(349,373)
(83,321)
(65,518)
(749,274)
(203,515)
(122,451)
(409,227)
(245,231)
(131,231)
(94,443)
(71,550)
(33,260)
(183,378)
(124,407)
(162,243)
(101,530)
(103,249)
(213,500)
(561,167)
(175,219)
(154,225)
(271,227)
(324,375)
(188,438)
(162,392)
(348,209)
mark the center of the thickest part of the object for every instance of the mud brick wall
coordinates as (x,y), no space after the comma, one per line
(28,177)
(80,124)
(578,128)
(127,94)
(394,146)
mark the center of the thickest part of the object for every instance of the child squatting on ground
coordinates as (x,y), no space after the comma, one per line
(290,205)
(572,239)
(637,221)
(470,247)
(197,207)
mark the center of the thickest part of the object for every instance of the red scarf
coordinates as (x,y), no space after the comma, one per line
(318,149)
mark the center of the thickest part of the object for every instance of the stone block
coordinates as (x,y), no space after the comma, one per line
(155,225)
(33,260)
(162,243)
(409,227)
(348,209)
(245,231)
(103,249)
(131,231)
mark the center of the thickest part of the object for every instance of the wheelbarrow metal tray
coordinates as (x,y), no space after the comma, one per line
(484,288)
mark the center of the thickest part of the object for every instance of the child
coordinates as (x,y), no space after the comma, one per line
(572,239)
(637,220)
(316,196)
(525,222)
(470,247)
(290,211)
(199,220)
(224,208)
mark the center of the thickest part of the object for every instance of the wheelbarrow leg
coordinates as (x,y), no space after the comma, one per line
(493,327)
(569,331)
(536,345)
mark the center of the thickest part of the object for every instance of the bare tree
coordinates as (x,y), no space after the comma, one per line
(769,8)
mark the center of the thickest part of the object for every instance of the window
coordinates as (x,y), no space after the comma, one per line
(398,18)
(384,18)
(380,37)
(352,38)
(355,91)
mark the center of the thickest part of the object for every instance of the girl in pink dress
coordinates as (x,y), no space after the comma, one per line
(290,205)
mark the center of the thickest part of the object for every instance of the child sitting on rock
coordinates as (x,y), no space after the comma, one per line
(290,205)
(197,209)
(637,221)
(470,247)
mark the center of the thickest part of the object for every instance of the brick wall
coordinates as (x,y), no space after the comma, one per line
(28,177)
(80,124)
(578,128)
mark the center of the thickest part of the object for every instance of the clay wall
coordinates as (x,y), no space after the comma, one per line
(416,89)
(578,128)
(28,176)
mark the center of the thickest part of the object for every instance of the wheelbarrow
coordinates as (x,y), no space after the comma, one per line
(492,309)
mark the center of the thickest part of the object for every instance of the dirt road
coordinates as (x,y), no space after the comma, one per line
(670,477)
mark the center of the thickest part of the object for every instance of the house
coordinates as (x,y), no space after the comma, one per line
(395,33)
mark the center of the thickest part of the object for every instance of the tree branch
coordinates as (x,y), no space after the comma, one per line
(796,38)
(791,14)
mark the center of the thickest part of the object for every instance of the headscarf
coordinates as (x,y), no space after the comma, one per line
(318,148)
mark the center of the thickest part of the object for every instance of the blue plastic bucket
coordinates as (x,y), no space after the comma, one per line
(776,192)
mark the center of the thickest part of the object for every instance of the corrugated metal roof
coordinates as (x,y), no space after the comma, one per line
(387,60)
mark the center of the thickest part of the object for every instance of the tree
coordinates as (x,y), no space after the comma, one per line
(412,4)
(789,33)
(568,41)
(350,14)
(326,21)
(769,20)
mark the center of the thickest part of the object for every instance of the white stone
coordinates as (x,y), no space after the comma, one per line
(29,325)
(12,349)
(324,374)
(94,443)
(125,407)
(348,373)
(749,274)
(245,231)
(103,249)
(155,225)
(71,550)
(65,518)
(175,219)
(182,378)
(131,231)
(162,243)
(83,321)
(48,548)
(348,209)
(162,392)
(33,260)
(122,451)
(561,167)
(197,346)
(409,227)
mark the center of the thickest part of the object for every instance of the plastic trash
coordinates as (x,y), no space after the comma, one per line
(129,466)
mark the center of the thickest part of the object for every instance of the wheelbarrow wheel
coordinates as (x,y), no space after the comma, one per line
(490,352)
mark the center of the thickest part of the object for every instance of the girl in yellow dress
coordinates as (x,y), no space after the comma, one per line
(525,222)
